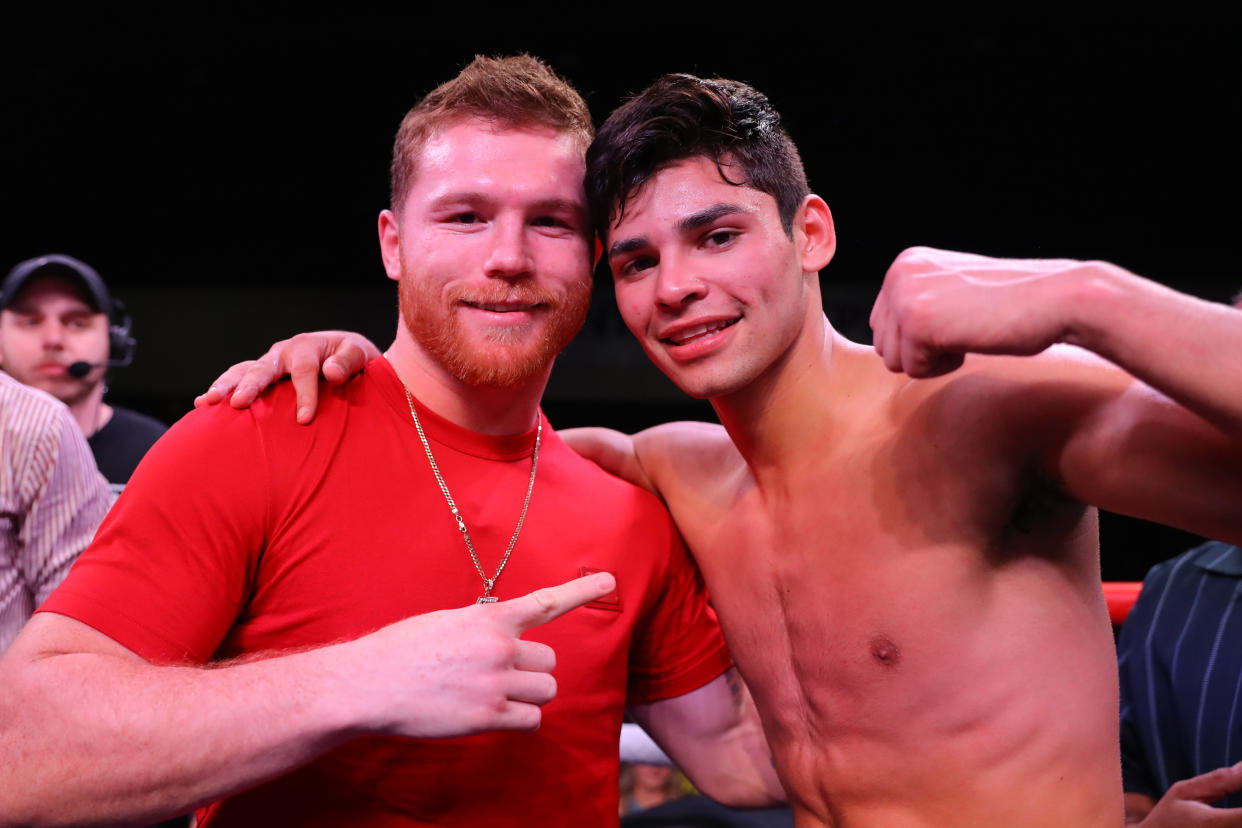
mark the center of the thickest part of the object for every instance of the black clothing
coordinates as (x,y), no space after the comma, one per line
(122,442)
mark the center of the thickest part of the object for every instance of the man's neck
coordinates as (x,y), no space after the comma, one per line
(90,411)
(774,419)
(483,409)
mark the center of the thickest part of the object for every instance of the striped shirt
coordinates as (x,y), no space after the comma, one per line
(1180,656)
(51,500)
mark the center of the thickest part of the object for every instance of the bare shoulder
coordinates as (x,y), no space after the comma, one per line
(684,441)
(686,453)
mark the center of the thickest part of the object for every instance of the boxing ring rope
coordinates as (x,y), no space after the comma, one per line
(1120,596)
(637,746)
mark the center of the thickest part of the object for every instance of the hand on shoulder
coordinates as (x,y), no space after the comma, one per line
(337,355)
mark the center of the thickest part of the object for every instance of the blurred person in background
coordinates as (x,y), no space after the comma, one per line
(60,331)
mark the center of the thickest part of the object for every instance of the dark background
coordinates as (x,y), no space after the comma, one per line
(223,169)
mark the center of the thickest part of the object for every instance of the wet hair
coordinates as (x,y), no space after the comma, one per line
(680,117)
(513,92)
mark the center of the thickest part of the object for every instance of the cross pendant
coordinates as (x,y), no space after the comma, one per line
(487,599)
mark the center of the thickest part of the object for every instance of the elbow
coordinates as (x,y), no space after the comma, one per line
(740,791)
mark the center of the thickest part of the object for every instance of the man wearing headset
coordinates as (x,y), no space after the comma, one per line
(60,331)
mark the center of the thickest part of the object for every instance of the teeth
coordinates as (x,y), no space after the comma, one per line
(700,331)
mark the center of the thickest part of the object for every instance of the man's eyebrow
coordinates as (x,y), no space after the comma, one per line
(627,246)
(459,198)
(559,205)
(691,222)
(470,197)
(707,215)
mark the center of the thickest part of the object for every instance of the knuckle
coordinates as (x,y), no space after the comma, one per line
(917,310)
(544,599)
(496,649)
(303,363)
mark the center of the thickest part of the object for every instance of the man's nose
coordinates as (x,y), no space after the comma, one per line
(509,256)
(53,334)
(677,283)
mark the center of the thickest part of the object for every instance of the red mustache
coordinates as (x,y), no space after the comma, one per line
(505,295)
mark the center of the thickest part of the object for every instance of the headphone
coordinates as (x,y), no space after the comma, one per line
(121,342)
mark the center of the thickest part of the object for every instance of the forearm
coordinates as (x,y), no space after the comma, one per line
(94,737)
(740,773)
(91,733)
(714,736)
(1186,348)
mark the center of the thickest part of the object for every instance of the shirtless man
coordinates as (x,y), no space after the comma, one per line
(899,540)
(292,633)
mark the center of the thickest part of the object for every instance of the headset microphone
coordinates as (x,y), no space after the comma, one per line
(79,369)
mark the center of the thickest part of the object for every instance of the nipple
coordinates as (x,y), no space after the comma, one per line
(885,651)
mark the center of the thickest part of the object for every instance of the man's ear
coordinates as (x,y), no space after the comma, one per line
(390,243)
(814,234)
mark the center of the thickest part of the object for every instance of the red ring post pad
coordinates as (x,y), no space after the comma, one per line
(1120,596)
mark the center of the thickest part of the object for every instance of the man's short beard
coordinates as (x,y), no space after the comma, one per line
(512,356)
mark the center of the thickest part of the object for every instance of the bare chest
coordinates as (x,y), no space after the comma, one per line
(877,625)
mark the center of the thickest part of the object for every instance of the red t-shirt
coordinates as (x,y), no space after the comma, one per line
(242,532)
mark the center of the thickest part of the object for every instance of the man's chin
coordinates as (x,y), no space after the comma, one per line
(699,383)
(499,368)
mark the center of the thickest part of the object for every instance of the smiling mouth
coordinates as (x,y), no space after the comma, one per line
(500,307)
(699,332)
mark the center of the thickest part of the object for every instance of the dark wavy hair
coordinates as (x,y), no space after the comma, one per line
(680,117)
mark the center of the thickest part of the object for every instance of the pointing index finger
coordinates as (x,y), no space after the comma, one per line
(544,605)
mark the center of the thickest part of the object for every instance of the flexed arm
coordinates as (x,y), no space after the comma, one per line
(1157,434)
(936,306)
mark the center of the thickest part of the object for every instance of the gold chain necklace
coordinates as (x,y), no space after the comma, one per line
(488,583)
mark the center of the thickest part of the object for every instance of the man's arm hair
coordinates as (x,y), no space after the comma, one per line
(90,731)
